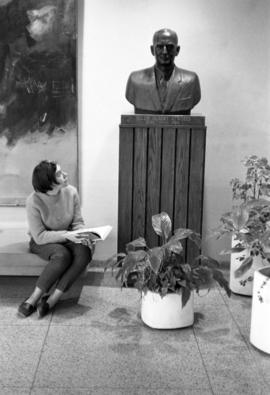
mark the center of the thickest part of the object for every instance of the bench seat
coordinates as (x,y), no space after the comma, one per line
(17,260)
(15,257)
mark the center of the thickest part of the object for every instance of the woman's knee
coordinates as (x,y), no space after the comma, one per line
(62,257)
(82,254)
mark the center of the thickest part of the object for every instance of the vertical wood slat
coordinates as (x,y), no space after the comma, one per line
(167,171)
(125,187)
(153,182)
(182,180)
(139,182)
(196,184)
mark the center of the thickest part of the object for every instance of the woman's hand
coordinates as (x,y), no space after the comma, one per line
(81,239)
(74,238)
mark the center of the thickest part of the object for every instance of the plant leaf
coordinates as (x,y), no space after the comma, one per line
(257,203)
(239,216)
(156,257)
(162,225)
(182,233)
(138,255)
(174,246)
(232,250)
(114,261)
(244,267)
(133,261)
(185,295)
(135,244)
(266,239)
(218,276)
(196,238)
(208,261)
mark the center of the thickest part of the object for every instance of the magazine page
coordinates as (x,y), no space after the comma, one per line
(94,234)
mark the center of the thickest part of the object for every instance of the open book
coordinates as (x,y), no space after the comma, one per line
(94,234)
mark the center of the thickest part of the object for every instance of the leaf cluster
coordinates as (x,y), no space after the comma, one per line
(163,269)
(249,220)
(257,180)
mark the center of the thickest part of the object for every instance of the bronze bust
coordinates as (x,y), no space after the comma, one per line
(163,88)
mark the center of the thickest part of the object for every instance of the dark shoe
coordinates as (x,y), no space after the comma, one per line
(43,307)
(25,309)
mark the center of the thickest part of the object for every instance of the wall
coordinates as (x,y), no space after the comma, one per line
(226,42)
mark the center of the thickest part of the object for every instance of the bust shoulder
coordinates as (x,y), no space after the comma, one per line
(185,75)
(139,76)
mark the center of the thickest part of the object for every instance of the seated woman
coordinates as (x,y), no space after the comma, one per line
(53,211)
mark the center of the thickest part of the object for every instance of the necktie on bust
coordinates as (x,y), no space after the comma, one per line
(162,83)
(162,89)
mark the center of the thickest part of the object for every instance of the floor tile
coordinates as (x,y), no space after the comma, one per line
(226,355)
(207,296)
(262,361)
(20,352)
(99,306)
(14,391)
(122,351)
(112,391)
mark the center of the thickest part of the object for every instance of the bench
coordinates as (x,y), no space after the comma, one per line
(15,257)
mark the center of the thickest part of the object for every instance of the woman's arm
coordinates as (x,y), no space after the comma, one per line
(37,229)
(77,221)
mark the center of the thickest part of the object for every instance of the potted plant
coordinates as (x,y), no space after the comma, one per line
(249,224)
(260,320)
(166,281)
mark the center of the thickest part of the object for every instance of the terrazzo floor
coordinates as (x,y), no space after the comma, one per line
(95,343)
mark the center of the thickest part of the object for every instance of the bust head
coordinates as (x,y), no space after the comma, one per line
(165,48)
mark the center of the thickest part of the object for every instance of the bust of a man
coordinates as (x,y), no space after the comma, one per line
(163,88)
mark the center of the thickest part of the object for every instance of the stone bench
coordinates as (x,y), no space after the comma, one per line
(15,257)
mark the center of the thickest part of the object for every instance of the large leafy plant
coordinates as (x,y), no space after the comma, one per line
(163,269)
(249,219)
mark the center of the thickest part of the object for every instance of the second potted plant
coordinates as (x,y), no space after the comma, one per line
(166,281)
(249,224)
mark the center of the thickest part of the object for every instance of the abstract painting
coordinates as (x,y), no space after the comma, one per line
(38,92)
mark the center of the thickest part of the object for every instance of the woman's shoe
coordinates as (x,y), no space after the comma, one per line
(25,309)
(43,307)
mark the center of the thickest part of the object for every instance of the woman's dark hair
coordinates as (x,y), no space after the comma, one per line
(43,178)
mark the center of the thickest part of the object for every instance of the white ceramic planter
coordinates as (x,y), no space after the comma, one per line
(166,312)
(260,312)
(243,285)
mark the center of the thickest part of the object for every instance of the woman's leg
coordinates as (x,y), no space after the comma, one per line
(59,259)
(81,258)
(35,296)
(66,263)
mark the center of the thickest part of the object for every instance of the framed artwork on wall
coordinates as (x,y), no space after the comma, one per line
(38,92)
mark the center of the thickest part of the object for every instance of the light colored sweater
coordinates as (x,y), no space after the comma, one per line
(51,216)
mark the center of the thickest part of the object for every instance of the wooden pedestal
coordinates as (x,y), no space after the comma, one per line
(161,168)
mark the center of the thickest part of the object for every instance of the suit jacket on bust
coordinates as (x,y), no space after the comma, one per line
(183,92)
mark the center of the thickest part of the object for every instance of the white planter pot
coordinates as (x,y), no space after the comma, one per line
(243,285)
(166,312)
(260,311)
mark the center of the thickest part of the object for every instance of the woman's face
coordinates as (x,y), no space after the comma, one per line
(61,177)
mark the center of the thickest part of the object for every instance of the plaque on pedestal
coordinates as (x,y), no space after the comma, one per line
(161,168)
